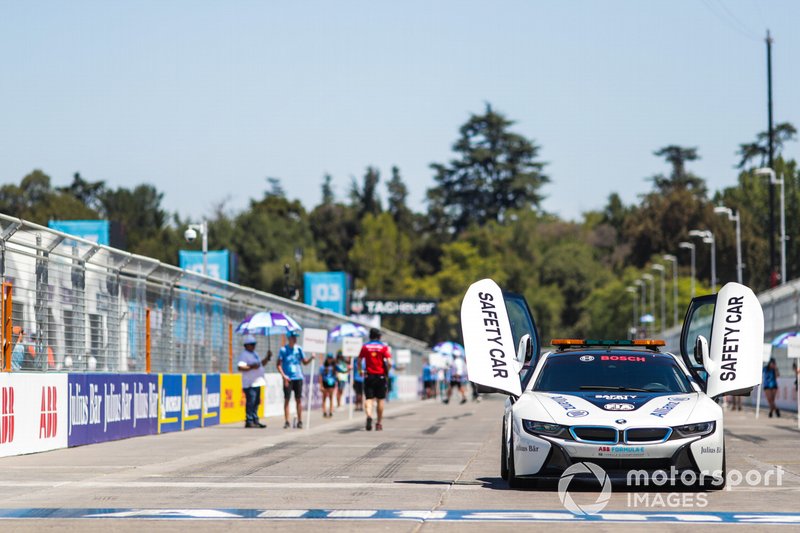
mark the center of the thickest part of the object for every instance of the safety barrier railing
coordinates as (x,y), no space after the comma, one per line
(70,304)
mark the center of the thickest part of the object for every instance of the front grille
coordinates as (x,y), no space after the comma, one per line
(638,435)
(595,435)
(630,464)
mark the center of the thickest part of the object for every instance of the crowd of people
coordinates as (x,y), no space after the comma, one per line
(371,379)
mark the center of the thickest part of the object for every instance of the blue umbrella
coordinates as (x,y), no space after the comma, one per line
(267,323)
(450,349)
(348,329)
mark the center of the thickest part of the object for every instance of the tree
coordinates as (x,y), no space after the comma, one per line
(679,178)
(398,194)
(327,190)
(88,193)
(381,255)
(759,149)
(365,198)
(496,171)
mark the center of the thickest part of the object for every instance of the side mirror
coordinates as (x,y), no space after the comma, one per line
(525,350)
(701,350)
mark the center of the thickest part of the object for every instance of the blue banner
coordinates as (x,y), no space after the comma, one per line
(326,290)
(96,231)
(192,401)
(170,402)
(211,396)
(218,262)
(105,407)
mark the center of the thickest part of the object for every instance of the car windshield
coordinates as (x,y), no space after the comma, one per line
(611,372)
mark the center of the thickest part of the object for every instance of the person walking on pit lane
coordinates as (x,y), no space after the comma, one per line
(457,372)
(327,383)
(378,359)
(252,368)
(290,359)
(770,381)
(342,376)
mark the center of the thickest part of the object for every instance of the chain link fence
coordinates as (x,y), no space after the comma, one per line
(79,306)
(781,307)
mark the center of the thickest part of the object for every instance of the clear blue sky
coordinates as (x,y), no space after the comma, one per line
(206,99)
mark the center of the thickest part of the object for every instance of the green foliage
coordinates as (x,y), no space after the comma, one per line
(496,171)
(483,219)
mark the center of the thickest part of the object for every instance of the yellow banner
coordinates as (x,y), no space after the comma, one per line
(232,400)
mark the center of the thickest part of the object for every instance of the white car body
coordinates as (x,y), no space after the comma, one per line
(671,428)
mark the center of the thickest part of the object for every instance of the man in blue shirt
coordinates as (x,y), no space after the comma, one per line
(290,359)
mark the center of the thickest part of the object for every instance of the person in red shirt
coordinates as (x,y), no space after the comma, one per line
(377,356)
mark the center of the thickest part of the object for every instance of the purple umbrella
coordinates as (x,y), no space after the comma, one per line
(450,349)
(348,329)
(267,323)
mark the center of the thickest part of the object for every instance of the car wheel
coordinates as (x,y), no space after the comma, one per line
(503,452)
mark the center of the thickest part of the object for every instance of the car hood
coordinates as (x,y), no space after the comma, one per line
(599,407)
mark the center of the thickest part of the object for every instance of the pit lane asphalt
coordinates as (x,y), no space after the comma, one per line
(430,457)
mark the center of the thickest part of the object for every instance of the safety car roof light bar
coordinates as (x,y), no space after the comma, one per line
(567,343)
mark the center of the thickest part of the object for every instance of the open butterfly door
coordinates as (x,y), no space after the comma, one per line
(492,324)
(732,322)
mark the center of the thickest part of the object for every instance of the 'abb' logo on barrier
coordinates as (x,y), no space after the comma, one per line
(48,420)
(6,414)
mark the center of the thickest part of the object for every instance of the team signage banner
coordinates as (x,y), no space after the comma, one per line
(105,407)
(326,290)
(33,413)
(211,399)
(170,402)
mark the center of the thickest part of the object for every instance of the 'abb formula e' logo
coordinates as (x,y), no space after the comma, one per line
(6,414)
(48,419)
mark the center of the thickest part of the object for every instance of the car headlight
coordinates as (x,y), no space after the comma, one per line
(535,427)
(696,430)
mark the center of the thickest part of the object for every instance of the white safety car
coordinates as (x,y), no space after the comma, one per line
(625,406)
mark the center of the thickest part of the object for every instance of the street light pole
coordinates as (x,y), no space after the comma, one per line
(202,229)
(773,180)
(674,260)
(649,277)
(660,268)
(643,302)
(689,246)
(708,238)
(633,292)
(722,210)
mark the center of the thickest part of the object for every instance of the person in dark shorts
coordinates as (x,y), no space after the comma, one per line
(327,384)
(290,357)
(377,358)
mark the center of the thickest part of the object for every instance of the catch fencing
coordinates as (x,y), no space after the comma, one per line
(72,305)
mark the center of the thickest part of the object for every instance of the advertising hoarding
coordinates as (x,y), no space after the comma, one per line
(192,415)
(96,231)
(33,413)
(211,399)
(170,402)
(218,262)
(105,407)
(232,399)
(326,290)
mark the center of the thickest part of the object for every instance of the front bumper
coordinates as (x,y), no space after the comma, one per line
(548,457)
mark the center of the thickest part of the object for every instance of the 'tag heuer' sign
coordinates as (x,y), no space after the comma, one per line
(395,307)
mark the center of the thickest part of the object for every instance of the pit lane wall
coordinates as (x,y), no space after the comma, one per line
(41,412)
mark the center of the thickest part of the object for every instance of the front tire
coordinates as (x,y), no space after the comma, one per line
(513,481)
(503,452)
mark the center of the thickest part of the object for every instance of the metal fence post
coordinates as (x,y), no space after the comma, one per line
(147,339)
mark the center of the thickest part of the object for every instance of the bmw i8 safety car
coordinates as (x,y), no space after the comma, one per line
(626,406)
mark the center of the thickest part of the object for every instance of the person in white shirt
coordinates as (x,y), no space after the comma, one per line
(252,368)
(458,371)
